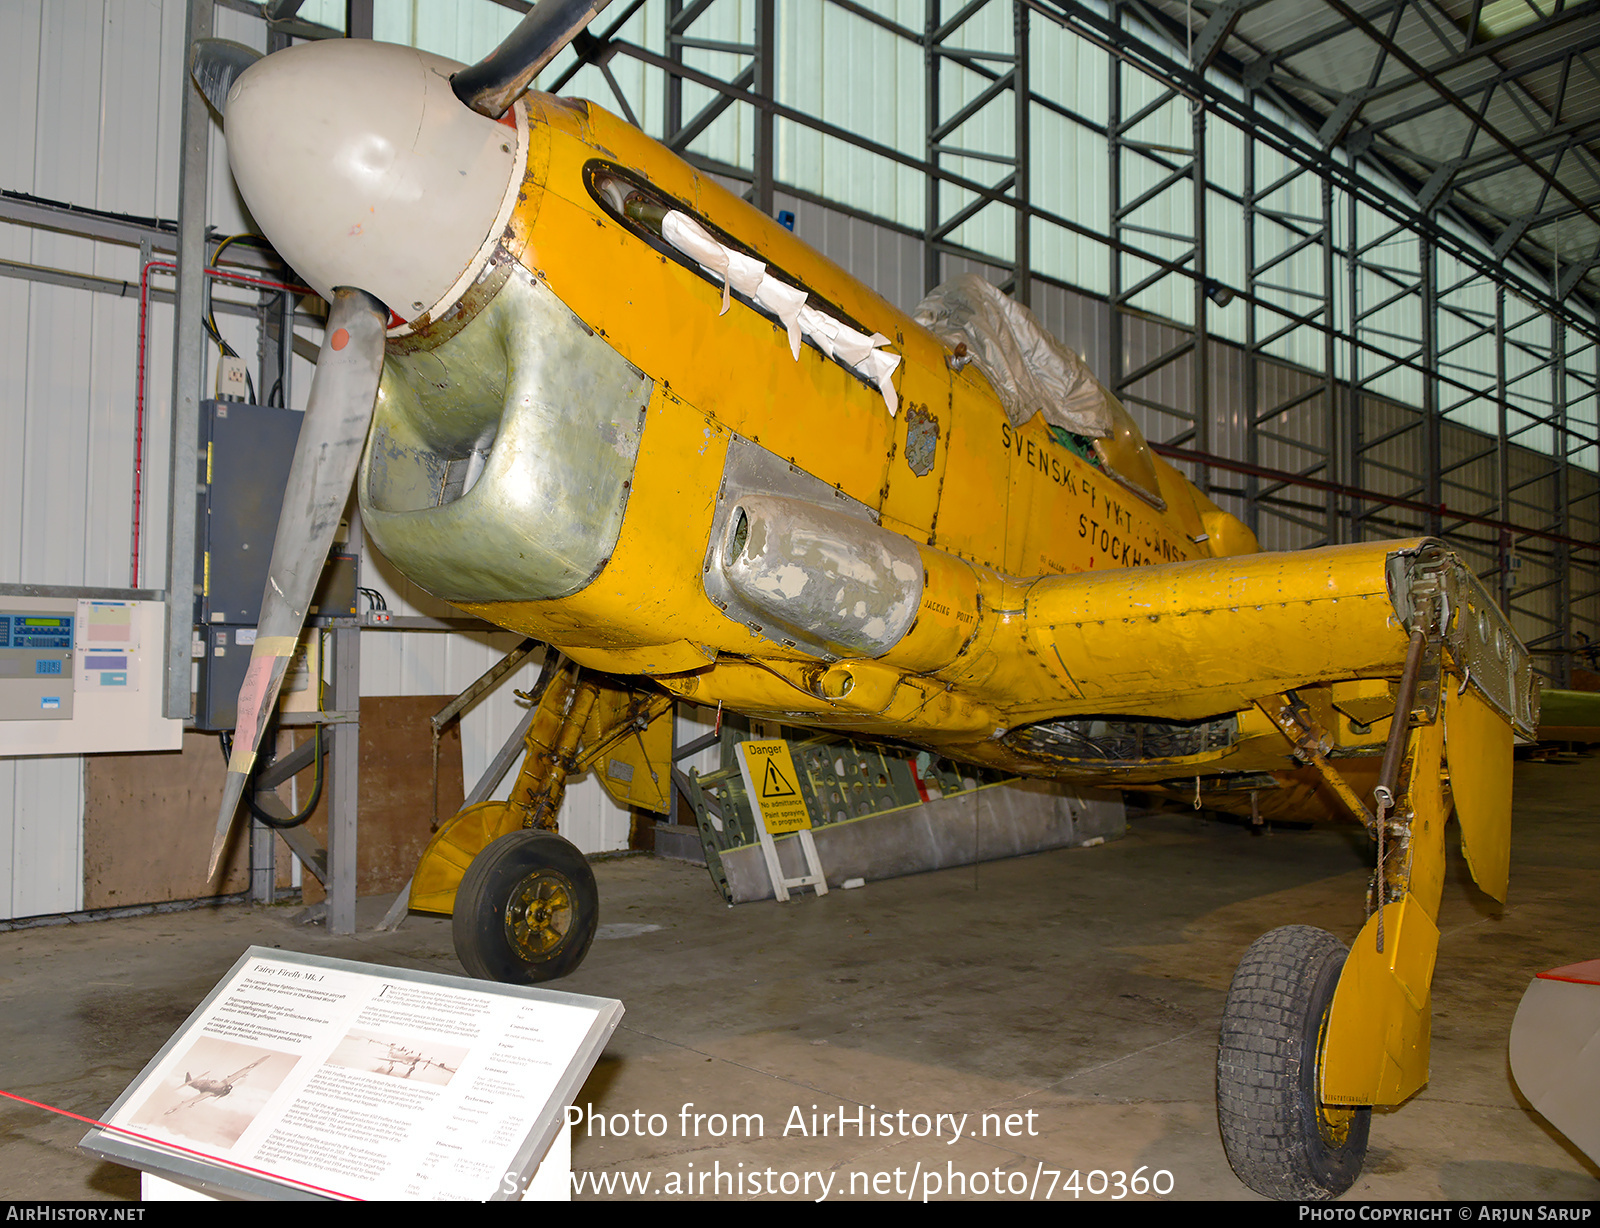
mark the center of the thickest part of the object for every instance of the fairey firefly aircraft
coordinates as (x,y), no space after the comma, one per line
(591,396)
(209,1089)
(402,1062)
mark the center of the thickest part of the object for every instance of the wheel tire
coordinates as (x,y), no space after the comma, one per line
(526,910)
(1280,1140)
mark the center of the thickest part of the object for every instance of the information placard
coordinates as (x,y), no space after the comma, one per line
(302,1076)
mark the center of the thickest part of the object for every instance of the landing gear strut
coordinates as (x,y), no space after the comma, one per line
(523,900)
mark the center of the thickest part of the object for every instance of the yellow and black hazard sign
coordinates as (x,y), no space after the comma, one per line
(773,786)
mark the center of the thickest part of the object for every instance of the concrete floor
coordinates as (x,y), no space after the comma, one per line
(1081,987)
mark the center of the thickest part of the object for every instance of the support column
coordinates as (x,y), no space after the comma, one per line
(1022,247)
(263,862)
(1114,333)
(1431,451)
(766,86)
(999,70)
(1178,257)
(344,766)
(932,265)
(188,367)
(1502,453)
(673,82)
(1355,416)
(1252,335)
(1566,641)
(1200,366)
(1334,428)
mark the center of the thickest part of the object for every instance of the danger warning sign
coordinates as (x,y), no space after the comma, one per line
(773,785)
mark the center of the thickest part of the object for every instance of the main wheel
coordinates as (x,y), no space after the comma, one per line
(1281,1139)
(526,909)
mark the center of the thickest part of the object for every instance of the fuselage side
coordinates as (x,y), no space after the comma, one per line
(593,506)
(948,469)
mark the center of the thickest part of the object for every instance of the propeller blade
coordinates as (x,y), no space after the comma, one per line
(491,85)
(331,439)
(216,65)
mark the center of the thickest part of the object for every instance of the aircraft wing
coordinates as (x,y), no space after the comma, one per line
(1189,640)
(1114,677)
(1219,643)
(244,1070)
(1569,716)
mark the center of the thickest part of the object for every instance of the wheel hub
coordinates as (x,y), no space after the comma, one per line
(539,914)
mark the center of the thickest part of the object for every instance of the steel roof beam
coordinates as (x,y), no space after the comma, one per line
(1504,76)
(1391,48)
(1585,11)
(1312,41)
(1217,29)
(1473,50)
(1570,138)
(1575,272)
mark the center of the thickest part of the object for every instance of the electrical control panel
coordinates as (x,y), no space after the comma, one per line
(81,673)
(36,663)
(246,452)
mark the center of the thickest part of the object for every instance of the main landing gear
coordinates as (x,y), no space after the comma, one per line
(1313,1036)
(526,910)
(1281,1139)
(523,900)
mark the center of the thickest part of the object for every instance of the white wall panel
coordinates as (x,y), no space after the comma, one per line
(8,833)
(80,118)
(47,836)
(20,27)
(862,78)
(13,400)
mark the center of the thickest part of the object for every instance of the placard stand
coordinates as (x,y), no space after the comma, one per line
(306,1077)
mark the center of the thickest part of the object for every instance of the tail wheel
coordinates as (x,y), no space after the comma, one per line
(526,910)
(1282,1141)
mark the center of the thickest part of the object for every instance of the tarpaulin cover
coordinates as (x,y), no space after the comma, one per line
(1030,370)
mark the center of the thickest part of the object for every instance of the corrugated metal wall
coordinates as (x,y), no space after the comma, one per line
(92,94)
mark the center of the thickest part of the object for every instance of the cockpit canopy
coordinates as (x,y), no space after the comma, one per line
(1033,373)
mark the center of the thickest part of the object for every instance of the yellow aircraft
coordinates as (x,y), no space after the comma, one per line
(591,396)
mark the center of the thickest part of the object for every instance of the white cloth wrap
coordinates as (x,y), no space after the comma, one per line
(750,278)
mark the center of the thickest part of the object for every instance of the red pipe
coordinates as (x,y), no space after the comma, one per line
(168,266)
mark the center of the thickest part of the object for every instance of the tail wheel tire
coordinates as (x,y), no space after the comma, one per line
(1282,1141)
(526,910)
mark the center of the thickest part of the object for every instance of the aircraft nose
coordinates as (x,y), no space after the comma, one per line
(362,167)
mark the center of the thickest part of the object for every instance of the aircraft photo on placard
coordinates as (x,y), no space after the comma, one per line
(397,1057)
(215,1090)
